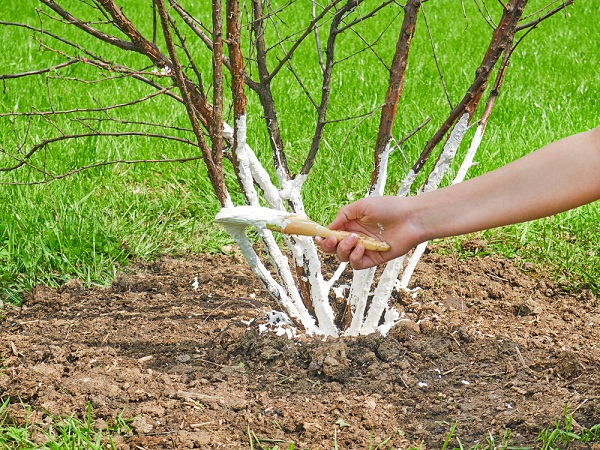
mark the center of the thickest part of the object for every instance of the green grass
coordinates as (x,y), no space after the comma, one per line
(557,437)
(63,433)
(93,223)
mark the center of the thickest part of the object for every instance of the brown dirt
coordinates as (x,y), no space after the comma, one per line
(482,344)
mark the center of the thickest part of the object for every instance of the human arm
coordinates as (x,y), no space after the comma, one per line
(559,176)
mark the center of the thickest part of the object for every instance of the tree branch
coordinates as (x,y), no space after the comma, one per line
(395,88)
(533,23)
(215,171)
(40,71)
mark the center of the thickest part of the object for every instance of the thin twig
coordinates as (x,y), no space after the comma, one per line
(533,23)
(435,58)
(40,71)
(86,110)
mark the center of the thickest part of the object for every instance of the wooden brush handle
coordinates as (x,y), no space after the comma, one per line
(305,227)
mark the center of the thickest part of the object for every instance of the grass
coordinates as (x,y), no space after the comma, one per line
(92,224)
(557,437)
(63,433)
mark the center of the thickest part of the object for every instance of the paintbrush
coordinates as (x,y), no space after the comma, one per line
(288,223)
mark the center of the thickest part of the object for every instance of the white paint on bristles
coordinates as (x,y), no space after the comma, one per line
(256,216)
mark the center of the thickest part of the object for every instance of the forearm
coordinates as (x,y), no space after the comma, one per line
(560,176)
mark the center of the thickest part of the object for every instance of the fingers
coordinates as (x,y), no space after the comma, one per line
(348,250)
(347,214)
(346,246)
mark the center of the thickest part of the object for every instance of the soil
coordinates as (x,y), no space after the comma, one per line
(484,343)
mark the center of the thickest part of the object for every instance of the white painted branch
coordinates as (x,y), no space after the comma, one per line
(382,294)
(388,279)
(381,179)
(357,299)
(411,265)
(363,279)
(247,165)
(305,254)
(470,156)
(239,235)
(448,154)
(337,274)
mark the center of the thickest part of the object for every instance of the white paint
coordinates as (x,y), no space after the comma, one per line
(381,178)
(470,156)
(412,264)
(337,274)
(278,318)
(390,319)
(340,290)
(292,188)
(357,301)
(279,323)
(407,183)
(227,132)
(256,216)
(448,153)
(263,180)
(381,296)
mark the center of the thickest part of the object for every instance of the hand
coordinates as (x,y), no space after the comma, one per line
(383,218)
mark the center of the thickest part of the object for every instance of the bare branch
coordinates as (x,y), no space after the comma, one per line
(49,177)
(317,38)
(366,16)
(326,84)
(217,65)
(38,72)
(42,145)
(305,34)
(112,40)
(264,92)
(533,23)
(395,86)
(87,110)
(435,58)
(215,172)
